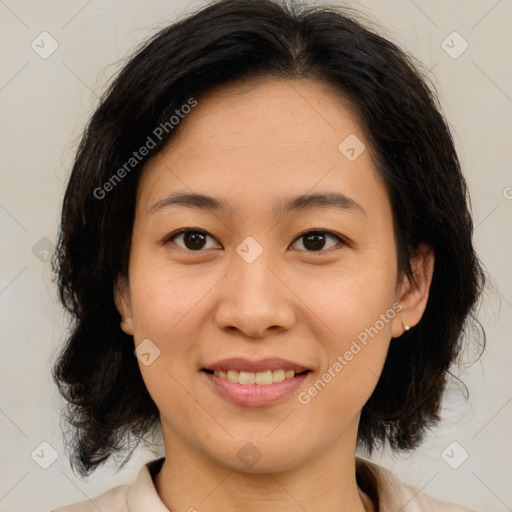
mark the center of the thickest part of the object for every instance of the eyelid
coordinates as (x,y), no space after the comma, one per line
(341,239)
(168,238)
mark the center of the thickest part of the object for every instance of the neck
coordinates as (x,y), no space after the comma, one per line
(189,480)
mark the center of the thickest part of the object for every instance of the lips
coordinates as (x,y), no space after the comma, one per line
(241,364)
(248,383)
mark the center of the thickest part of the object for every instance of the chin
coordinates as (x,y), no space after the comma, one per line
(258,456)
(272,464)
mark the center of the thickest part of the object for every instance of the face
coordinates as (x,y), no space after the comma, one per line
(257,282)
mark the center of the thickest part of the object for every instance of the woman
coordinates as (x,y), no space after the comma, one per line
(267,250)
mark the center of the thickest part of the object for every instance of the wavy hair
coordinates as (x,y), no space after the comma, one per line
(108,407)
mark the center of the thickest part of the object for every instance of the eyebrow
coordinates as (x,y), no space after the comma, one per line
(303,202)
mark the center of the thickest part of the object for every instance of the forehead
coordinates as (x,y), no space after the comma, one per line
(255,139)
(268,112)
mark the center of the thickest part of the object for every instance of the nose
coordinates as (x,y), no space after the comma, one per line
(255,298)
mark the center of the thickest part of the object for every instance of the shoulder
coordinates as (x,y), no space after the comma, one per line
(422,501)
(138,496)
(394,495)
(113,500)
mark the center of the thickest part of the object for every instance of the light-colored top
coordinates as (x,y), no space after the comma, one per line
(141,495)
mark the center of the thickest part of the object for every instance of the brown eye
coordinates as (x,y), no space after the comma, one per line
(192,239)
(316,240)
(313,241)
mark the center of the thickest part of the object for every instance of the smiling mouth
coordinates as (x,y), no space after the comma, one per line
(260,378)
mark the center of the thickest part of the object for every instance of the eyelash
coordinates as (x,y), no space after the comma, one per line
(340,239)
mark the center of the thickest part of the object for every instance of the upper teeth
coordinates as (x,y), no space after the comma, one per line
(266,377)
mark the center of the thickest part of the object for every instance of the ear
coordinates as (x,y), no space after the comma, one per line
(413,295)
(123,304)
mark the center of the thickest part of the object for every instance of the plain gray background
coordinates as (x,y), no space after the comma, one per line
(45,103)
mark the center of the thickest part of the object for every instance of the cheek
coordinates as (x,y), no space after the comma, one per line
(167,312)
(343,387)
(352,298)
(164,296)
(357,308)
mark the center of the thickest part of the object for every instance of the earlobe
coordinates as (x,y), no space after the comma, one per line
(413,293)
(123,304)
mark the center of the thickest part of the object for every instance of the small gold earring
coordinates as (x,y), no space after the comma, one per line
(406,327)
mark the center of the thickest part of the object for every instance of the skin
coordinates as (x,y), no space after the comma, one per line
(253,144)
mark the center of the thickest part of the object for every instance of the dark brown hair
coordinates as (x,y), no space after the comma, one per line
(108,405)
